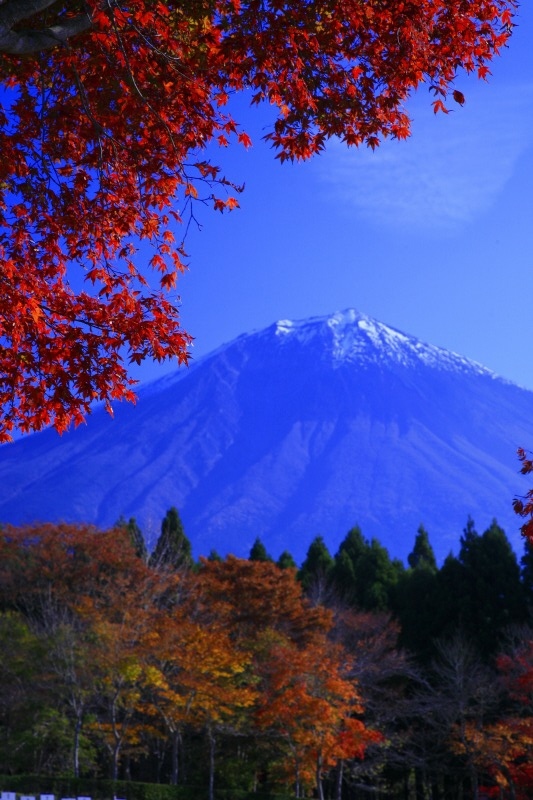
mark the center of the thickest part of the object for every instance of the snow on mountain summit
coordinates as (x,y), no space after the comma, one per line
(354,336)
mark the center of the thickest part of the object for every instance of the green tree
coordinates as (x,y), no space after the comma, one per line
(422,553)
(479,593)
(343,574)
(493,593)
(353,544)
(449,606)
(376,577)
(315,572)
(363,574)
(343,577)
(173,548)
(415,598)
(136,536)
(286,561)
(259,552)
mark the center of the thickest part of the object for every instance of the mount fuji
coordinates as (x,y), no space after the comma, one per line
(303,428)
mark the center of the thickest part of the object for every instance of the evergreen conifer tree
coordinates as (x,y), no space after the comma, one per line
(353,544)
(343,577)
(173,548)
(422,554)
(376,577)
(259,552)
(350,551)
(286,561)
(494,592)
(480,593)
(316,569)
(415,599)
(449,603)
(136,536)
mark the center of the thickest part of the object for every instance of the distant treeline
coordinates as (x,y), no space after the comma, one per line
(346,675)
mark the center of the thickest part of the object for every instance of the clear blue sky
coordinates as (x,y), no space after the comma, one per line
(433,235)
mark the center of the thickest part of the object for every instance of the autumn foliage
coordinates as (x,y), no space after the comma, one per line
(229,677)
(107,111)
(133,654)
(523,506)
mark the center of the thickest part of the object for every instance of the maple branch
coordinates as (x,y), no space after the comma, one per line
(27,41)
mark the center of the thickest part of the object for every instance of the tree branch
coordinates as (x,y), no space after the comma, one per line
(26,41)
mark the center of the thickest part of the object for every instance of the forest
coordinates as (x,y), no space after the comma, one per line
(350,676)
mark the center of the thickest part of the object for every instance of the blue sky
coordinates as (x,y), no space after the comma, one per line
(433,235)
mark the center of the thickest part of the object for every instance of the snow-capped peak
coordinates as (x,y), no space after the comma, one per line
(356,337)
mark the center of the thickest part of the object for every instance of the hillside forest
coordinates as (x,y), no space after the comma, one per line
(349,676)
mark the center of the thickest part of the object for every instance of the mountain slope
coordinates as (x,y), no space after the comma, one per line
(300,429)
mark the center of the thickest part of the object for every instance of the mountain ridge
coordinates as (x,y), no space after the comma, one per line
(303,428)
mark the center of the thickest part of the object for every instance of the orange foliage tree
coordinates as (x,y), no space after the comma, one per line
(106,112)
(308,701)
(306,697)
(199,679)
(98,603)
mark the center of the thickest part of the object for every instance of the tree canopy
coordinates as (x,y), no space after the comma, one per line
(112,663)
(106,113)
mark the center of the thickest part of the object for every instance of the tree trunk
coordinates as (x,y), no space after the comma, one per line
(211,739)
(116,737)
(77,732)
(175,758)
(297,780)
(338,780)
(116,751)
(319,787)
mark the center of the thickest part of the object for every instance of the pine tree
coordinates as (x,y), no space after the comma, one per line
(494,590)
(415,598)
(376,577)
(343,577)
(259,552)
(422,554)
(173,549)
(315,572)
(353,544)
(286,561)
(480,592)
(136,536)
(350,551)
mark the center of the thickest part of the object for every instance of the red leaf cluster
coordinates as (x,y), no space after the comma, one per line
(103,132)
(523,506)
